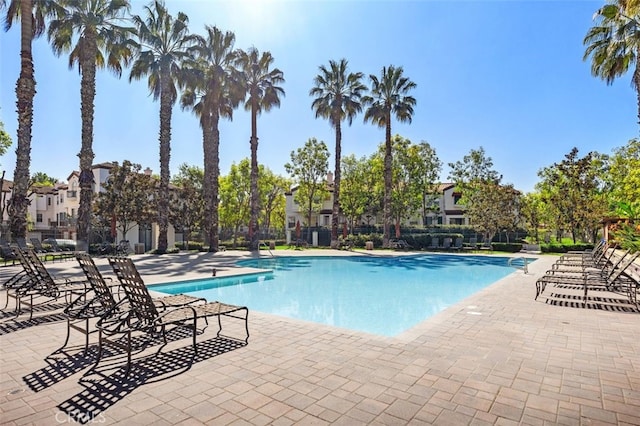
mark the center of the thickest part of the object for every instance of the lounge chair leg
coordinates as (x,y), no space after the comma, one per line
(86,335)
(246,324)
(128,353)
(195,329)
(68,333)
(99,349)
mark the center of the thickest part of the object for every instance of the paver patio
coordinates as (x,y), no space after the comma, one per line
(497,357)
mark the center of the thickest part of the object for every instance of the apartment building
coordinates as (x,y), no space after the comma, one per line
(444,209)
(53,211)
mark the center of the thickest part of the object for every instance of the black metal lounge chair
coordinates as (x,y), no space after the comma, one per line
(608,278)
(473,244)
(435,243)
(40,283)
(49,252)
(144,315)
(7,253)
(103,300)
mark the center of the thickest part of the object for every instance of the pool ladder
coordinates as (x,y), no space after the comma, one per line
(266,246)
(524,266)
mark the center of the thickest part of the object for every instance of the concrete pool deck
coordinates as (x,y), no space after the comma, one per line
(497,357)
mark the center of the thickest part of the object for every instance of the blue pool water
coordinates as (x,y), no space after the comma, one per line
(378,295)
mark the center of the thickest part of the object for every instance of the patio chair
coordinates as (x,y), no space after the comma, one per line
(588,257)
(473,243)
(40,283)
(7,253)
(49,252)
(61,253)
(602,260)
(104,300)
(435,243)
(486,245)
(590,278)
(617,281)
(446,243)
(144,315)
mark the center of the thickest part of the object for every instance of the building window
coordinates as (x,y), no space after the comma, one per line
(39,217)
(326,220)
(439,220)
(456,221)
(48,201)
(456,197)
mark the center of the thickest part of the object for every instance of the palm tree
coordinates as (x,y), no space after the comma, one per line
(389,97)
(338,97)
(163,47)
(213,89)
(32,25)
(261,83)
(613,44)
(100,42)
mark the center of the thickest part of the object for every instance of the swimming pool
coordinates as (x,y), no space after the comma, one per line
(378,295)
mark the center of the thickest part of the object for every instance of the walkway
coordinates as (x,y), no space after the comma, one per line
(498,357)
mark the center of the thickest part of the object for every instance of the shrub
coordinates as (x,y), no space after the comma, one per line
(563,248)
(507,247)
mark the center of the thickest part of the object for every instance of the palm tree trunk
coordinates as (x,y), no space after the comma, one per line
(254,230)
(207,184)
(25,92)
(212,163)
(87,96)
(387,182)
(165,155)
(335,214)
(636,82)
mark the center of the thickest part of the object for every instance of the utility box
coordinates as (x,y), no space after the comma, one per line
(368,245)
(138,248)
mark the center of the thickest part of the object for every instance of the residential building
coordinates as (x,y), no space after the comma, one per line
(444,210)
(53,212)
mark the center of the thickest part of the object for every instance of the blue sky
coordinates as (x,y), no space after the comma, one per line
(504,75)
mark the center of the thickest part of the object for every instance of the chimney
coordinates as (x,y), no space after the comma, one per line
(147,171)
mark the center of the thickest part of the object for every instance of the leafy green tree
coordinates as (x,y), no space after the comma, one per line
(389,97)
(406,188)
(427,174)
(308,168)
(40,178)
(482,192)
(261,83)
(272,189)
(127,197)
(91,31)
(532,211)
(624,173)
(355,189)
(474,167)
(613,43)
(5,140)
(575,187)
(187,203)
(161,49)
(32,16)
(337,97)
(235,198)
(213,90)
